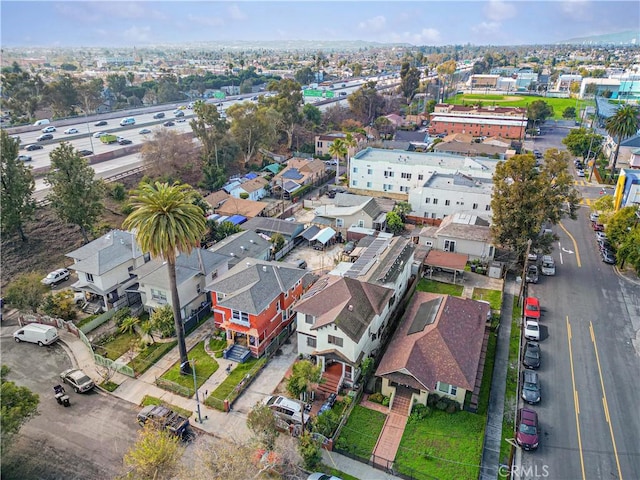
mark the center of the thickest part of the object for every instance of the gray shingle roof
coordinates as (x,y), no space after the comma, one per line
(241,245)
(155,271)
(105,253)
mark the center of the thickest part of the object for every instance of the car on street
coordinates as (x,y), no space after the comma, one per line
(144,131)
(597,227)
(168,124)
(158,115)
(57,276)
(532,330)
(101,123)
(531,355)
(69,131)
(527,435)
(79,381)
(530,386)
(33,146)
(24,158)
(532,308)
(600,236)
(125,141)
(85,153)
(322,476)
(44,136)
(608,257)
(49,129)
(580,172)
(594,216)
(532,274)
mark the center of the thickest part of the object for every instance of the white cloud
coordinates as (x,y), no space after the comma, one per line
(235,13)
(497,10)
(137,34)
(374,24)
(204,20)
(577,9)
(426,36)
(486,28)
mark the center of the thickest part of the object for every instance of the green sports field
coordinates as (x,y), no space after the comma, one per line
(558,104)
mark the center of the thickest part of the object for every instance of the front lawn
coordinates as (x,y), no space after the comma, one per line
(205,367)
(150,355)
(494,297)
(361,432)
(442,445)
(426,285)
(238,375)
(149,400)
(118,345)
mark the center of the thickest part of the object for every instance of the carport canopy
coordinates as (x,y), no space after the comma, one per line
(448,261)
(324,235)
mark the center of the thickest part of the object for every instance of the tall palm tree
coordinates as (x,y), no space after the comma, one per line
(338,150)
(349,142)
(621,126)
(167,223)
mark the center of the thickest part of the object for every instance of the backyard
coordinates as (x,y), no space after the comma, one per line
(425,285)
(204,365)
(360,434)
(494,297)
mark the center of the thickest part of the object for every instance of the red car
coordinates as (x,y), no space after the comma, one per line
(532,308)
(598,227)
(527,434)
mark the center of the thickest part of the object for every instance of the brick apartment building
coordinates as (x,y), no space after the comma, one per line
(505,122)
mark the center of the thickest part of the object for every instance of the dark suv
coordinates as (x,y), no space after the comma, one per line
(45,136)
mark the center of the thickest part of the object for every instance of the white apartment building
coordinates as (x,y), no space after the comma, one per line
(399,171)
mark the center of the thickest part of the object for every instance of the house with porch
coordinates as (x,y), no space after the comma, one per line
(193,271)
(438,347)
(252,303)
(298,173)
(106,270)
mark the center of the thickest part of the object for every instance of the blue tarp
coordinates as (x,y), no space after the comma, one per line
(251,176)
(236,219)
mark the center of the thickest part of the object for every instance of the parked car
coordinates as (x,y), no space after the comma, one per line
(125,141)
(532,308)
(33,146)
(530,387)
(322,476)
(527,433)
(101,123)
(69,131)
(49,129)
(608,257)
(168,124)
(36,333)
(600,236)
(79,381)
(531,355)
(532,330)
(598,227)
(56,277)
(24,158)
(532,274)
(158,115)
(144,131)
(594,216)
(44,137)
(580,172)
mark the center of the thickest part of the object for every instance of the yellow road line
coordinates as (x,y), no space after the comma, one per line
(575,245)
(575,399)
(605,404)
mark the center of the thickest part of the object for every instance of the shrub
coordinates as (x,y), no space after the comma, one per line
(121,315)
(126,209)
(326,423)
(432,399)
(376,397)
(118,191)
(60,305)
(442,404)
(419,412)
(385,401)
(452,408)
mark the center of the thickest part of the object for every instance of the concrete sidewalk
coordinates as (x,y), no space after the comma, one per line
(360,470)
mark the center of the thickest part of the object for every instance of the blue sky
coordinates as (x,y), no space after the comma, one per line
(113,23)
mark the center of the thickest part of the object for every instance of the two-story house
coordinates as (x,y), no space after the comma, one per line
(241,245)
(351,211)
(106,266)
(324,142)
(298,173)
(253,303)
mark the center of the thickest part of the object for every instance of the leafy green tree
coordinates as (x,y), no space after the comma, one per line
(18,404)
(171,156)
(62,96)
(538,111)
(310,451)
(446,72)
(219,231)
(431,106)
(116,83)
(409,81)
(277,241)
(629,249)
(581,142)
(366,103)
(22,93)
(620,224)
(17,185)
(304,76)
(129,325)
(338,150)
(303,373)
(622,125)
(60,305)
(262,422)
(287,103)
(26,291)
(168,90)
(75,195)
(312,114)
(569,113)
(252,127)
(210,129)
(167,223)
(155,455)
(394,223)
(403,209)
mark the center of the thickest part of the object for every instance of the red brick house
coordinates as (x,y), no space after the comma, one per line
(252,303)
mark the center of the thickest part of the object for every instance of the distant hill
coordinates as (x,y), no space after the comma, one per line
(628,37)
(303,45)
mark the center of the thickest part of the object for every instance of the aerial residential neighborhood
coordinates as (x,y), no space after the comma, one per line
(322,241)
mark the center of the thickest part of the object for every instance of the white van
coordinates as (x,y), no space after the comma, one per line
(40,123)
(127,121)
(548,265)
(291,411)
(37,333)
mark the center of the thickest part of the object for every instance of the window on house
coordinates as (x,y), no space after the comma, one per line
(198,288)
(355,182)
(447,203)
(311,342)
(487,207)
(369,171)
(427,200)
(361,223)
(214,275)
(420,177)
(355,169)
(89,277)
(308,319)
(446,388)
(406,176)
(433,215)
(404,189)
(388,174)
(333,340)
(428,243)
(158,295)
(219,296)
(474,206)
(147,257)
(319,144)
(368,184)
(339,222)
(435,201)
(449,246)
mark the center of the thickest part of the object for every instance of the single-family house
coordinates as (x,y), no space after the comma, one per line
(298,173)
(253,303)
(253,188)
(241,245)
(625,153)
(106,269)
(437,348)
(193,271)
(217,198)
(350,210)
(240,206)
(324,142)
(269,226)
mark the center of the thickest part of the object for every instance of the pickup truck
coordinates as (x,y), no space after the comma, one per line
(108,139)
(163,417)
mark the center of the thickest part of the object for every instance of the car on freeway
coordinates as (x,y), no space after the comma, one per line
(531,387)
(531,357)
(343,94)
(44,136)
(49,129)
(608,257)
(79,381)
(124,141)
(532,330)
(580,172)
(168,124)
(57,276)
(527,433)
(99,134)
(181,120)
(85,153)
(101,123)
(158,115)
(24,158)
(69,131)
(532,308)
(33,146)
(144,131)
(178,113)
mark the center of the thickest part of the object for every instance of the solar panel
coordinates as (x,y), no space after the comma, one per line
(425,315)
(366,260)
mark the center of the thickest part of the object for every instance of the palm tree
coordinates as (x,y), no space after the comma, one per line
(621,126)
(350,143)
(338,150)
(167,223)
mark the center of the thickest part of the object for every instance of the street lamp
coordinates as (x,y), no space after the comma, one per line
(86,121)
(195,386)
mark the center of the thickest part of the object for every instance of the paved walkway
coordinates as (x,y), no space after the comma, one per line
(388,442)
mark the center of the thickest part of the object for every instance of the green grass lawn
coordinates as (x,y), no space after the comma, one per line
(361,432)
(558,104)
(485,387)
(494,297)
(204,364)
(217,345)
(426,285)
(229,384)
(149,400)
(337,473)
(511,391)
(119,345)
(442,445)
